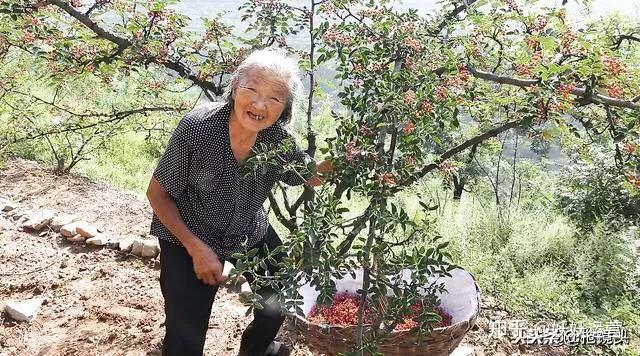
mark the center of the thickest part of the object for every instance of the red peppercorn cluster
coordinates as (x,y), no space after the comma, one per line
(387,179)
(634,178)
(565,90)
(352,151)
(416,309)
(615,91)
(567,40)
(344,312)
(513,6)
(612,65)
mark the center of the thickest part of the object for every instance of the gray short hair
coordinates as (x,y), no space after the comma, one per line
(282,66)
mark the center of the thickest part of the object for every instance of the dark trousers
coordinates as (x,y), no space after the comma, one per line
(188,301)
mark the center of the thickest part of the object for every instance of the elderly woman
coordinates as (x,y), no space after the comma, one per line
(206,209)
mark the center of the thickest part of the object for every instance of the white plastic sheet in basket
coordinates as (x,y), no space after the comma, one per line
(461,299)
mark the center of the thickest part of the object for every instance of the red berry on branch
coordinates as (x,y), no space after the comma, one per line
(28,37)
(352,151)
(409,97)
(410,161)
(630,147)
(409,128)
(413,44)
(441,93)
(615,91)
(426,106)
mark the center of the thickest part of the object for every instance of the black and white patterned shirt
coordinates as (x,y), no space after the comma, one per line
(217,200)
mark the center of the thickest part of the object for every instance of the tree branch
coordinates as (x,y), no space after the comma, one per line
(288,223)
(452,15)
(358,225)
(622,38)
(113,118)
(123,44)
(581,92)
(461,147)
(89,23)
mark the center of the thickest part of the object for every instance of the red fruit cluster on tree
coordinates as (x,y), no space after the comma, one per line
(567,40)
(409,128)
(634,178)
(344,312)
(513,6)
(387,179)
(352,151)
(565,91)
(441,93)
(409,97)
(541,23)
(612,65)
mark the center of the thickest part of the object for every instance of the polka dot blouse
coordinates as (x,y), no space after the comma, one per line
(217,200)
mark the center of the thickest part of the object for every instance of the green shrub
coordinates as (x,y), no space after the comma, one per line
(538,263)
(127,162)
(592,189)
(605,266)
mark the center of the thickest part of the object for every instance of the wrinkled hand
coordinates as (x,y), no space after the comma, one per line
(206,265)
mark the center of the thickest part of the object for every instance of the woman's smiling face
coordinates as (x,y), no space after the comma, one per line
(259,100)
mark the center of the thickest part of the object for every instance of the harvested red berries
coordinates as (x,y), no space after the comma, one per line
(416,309)
(344,312)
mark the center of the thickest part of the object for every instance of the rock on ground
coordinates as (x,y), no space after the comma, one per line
(76,238)
(150,248)
(114,242)
(136,247)
(25,310)
(39,220)
(126,244)
(7,205)
(99,240)
(85,229)
(69,230)
(61,220)
(5,224)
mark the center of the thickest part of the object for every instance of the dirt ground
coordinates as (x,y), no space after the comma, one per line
(102,302)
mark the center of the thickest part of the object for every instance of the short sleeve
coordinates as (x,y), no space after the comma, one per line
(299,165)
(172,171)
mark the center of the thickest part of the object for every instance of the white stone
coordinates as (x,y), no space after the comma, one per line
(226,269)
(39,220)
(150,248)
(25,310)
(136,248)
(463,350)
(99,240)
(69,230)
(85,229)
(7,205)
(5,224)
(245,288)
(77,238)
(126,244)
(61,220)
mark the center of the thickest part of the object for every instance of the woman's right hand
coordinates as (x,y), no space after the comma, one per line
(206,264)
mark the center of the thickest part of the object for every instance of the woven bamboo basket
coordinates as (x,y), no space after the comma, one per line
(462,301)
